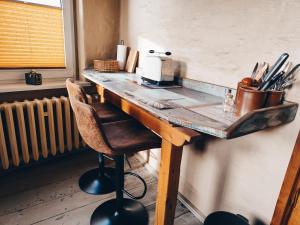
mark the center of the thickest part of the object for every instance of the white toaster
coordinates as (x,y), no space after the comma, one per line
(158,67)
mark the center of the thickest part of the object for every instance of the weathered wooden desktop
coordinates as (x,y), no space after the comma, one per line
(187,112)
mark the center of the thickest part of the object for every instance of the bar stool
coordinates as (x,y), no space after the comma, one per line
(97,181)
(115,139)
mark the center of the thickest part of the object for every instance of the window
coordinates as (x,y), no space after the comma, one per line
(36,34)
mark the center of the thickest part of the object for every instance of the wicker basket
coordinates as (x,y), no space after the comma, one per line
(106,65)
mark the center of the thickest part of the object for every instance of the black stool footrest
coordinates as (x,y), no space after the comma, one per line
(144,184)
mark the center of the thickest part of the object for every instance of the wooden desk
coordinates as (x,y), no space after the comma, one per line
(190,112)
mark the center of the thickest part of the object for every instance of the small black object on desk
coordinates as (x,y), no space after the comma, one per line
(33,78)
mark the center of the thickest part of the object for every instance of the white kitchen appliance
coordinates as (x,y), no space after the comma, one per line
(158,68)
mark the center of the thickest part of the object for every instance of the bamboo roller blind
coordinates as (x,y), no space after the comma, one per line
(31,36)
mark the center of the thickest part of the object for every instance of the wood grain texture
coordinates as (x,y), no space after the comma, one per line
(131,61)
(287,211)
(168,182)
(263,118)
(50,195)
(177,136)
(294,218)
(199,109)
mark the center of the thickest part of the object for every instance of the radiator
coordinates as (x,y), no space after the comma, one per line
(31,130)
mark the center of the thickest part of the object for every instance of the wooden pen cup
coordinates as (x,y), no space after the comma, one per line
(248,99)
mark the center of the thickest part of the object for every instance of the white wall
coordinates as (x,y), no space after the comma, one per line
(219,41)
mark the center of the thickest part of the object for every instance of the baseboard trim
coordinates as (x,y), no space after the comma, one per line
(181,198)
(191,207)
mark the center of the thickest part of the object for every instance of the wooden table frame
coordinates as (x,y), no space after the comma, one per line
(287,209)
(173,140)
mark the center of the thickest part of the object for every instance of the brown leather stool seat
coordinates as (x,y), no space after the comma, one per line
(99,180)
(109,113)
(115,139)
(129,137)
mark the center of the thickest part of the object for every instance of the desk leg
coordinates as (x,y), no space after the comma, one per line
(168,183)
(101,91)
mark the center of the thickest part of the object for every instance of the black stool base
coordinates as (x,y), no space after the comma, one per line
(91,183)
(133,213)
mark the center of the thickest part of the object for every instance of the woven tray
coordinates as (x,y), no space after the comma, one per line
(106,65)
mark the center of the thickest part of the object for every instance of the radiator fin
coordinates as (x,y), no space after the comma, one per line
(68,122)
(22,132)
(42,127)
(3,148)
(59,124)
(12,134)
(51,126)
(30,130)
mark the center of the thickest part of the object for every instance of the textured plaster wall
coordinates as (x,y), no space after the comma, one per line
(219,42)
(97,30)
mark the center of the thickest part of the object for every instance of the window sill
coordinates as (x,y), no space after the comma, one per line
(47,84)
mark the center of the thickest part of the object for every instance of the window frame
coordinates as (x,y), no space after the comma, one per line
(8,75)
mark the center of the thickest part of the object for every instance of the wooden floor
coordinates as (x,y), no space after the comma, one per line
(48,194)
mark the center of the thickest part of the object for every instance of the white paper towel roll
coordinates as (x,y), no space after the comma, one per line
(122,56)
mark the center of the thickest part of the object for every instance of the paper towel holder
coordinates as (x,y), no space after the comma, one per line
(122,54)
